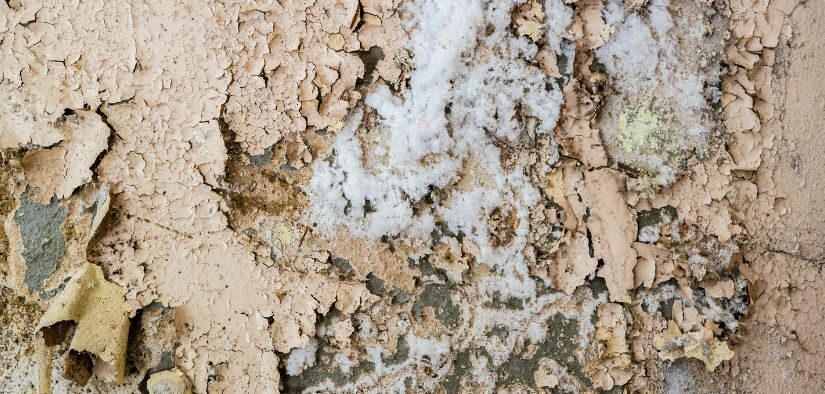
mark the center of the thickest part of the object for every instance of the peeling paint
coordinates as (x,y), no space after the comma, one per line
(394,196)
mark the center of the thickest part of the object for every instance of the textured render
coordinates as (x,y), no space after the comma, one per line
(411,196)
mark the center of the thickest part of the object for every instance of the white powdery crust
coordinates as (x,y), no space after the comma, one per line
(464,93)
(655,62)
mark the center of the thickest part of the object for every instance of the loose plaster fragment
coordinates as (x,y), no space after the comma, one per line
(170,381)
(448,254)
(101,313)
(58,171)
(544,376)
(613,228)
(673,344)
(723,288)
(575,132)
(614,365)
(20,123)
(589,29)
(530,20)
(572,264)
(101,209)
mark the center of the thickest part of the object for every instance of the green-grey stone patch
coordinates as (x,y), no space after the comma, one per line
(43,242)
(559,345)
(342,265)
(375,284)
(325,368)
(263,158)
(511,303)
(402,351)
(438,296)
(461,366)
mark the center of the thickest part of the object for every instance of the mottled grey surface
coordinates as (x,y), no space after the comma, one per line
(43,242)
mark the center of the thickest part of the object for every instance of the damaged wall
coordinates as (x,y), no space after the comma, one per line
(387,196)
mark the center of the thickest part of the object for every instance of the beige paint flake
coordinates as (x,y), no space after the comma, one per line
(723,288)
(20,126)
(701,199)
(613,228)
(297,66)
(101,313)
(58,171)
(673,344)
(589,29)
(570,261)
(172,381)
(575,132)
(613,367)
(572,264)
(653,266)
(548,61)
(297,152)
(544,377)
(530,20)
(303,297)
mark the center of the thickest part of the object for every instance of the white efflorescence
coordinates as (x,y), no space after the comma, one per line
(559,16)
(424,348)
(654,63)
(301,359)
(472,84)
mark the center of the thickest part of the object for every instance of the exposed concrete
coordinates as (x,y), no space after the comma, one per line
(43,242)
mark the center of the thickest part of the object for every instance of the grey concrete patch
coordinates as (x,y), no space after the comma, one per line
(263,158)
(559,345)
(438,297)
(402,351)
(325,369)
(43,242)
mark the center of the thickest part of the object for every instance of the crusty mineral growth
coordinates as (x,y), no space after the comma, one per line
(411,196)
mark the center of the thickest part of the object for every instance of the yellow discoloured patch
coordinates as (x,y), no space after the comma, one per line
(102,316)
(283,234)
(640,129)
(673,344)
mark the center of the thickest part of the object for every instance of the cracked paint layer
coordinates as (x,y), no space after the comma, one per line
(409,196)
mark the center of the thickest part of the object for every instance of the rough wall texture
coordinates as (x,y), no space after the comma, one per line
(408,196)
